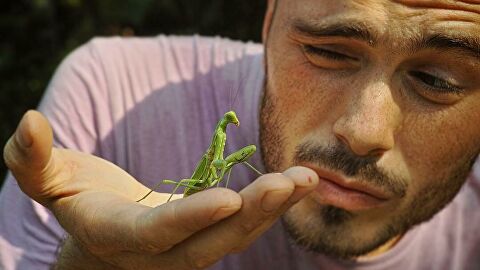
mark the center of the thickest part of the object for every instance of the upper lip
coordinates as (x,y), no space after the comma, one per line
(351,184)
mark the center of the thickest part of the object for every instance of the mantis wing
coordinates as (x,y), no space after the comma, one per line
(201,168)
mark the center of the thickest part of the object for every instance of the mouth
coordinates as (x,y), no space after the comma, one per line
(349,194)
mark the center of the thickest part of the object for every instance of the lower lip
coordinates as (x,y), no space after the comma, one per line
(329,193)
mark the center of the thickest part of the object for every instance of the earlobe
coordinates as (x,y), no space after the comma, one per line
(267,22)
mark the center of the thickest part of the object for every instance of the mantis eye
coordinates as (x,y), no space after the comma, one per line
(231,117)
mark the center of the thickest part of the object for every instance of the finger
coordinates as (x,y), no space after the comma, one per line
(28,153)
(106,223)
(305,181)
(263,202)
(171,223)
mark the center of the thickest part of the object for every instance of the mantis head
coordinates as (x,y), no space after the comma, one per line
(231,117)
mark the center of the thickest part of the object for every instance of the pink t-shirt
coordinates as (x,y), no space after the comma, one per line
(150,105)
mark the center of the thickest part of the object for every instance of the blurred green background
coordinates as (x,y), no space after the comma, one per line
(36,35)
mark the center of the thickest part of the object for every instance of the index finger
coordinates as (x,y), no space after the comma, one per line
(263,202)
(168,224)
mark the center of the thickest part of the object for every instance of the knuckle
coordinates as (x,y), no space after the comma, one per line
(150,246)
(269,177)
(149,240)
(275,181)
(246,227)
(176,213)
(154,248)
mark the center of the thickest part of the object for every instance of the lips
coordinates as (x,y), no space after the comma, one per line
(348,194)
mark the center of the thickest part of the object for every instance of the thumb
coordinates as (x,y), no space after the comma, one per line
(28,153)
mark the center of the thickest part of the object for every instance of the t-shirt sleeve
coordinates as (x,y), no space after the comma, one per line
(476,171)
(29,234)
(129,101)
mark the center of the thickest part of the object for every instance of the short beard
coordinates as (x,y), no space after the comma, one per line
(331,230)
(306,233)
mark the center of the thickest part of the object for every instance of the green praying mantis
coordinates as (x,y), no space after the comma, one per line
(212,167)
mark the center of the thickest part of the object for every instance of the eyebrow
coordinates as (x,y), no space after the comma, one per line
(362,31)
(349,29)
(469,45)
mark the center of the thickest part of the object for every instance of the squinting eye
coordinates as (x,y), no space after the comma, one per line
(436,84)
(309,49)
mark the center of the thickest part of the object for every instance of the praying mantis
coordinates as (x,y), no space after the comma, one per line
(212,167)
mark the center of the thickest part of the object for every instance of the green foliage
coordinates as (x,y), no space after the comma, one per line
(36,35)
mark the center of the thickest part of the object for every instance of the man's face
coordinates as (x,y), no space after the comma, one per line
(382,99)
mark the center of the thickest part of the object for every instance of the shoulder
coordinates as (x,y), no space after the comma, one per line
(450,240)
(458,223)
(194,42)
(468,199)
(155,61)
(463,213)
(196,50)
(469,196)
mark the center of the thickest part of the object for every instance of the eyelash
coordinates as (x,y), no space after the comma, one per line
(309,49)
(431,82)
(436,84)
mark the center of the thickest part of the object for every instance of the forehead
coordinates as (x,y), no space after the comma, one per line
(390,19)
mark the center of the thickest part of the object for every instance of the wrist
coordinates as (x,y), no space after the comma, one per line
(73,256)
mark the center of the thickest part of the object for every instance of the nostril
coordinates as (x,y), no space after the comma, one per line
(376,153)
(342,139)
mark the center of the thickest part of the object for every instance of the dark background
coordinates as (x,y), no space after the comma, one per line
(35,35)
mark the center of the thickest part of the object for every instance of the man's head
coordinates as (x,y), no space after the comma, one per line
(382,99)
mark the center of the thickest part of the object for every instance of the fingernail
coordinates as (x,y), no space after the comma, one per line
(303,190)
(273,200)
(222,213)
(23,139)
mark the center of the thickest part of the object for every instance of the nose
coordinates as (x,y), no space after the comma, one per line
(368,123)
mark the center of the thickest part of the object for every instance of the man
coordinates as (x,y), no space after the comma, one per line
(368,108)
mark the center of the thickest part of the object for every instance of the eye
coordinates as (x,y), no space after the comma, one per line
(436,84)
(332,55)
(329,59)
(435,89)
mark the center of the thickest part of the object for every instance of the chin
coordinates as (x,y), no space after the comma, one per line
(335,232)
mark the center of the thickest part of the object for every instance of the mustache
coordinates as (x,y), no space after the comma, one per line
(340,158)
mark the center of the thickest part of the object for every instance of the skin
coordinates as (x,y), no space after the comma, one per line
(366,107)
(94,201)
(410,110)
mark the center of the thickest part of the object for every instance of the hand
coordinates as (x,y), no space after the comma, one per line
(94,201)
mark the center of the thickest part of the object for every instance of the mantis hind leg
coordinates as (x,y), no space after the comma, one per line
(150,192)
(183,182)
(228,177)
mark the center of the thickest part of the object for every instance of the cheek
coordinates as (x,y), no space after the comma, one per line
(306,98)
(289,81)
(439,145)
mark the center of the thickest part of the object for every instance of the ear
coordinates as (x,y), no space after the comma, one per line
(267,22)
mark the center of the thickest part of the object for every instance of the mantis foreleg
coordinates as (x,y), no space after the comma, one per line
(212,167)
(253,168)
